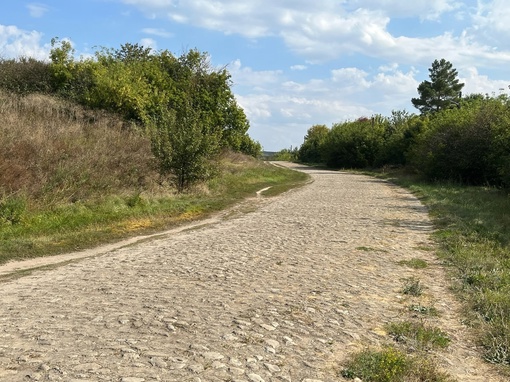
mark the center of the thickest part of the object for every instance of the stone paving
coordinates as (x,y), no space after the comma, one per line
(284,293)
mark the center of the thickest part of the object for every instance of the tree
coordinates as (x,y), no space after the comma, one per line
(311,149)
(184,147)
(442,91)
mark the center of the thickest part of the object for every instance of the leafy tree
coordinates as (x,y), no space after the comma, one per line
(62,63)
(184,147)
(311,149)
(355,144)
(442,91)
(469,145)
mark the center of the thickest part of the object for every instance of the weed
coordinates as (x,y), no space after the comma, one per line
(412,286)
(12,209)
(418,335)
(414,263)
(392,365)
(424,310)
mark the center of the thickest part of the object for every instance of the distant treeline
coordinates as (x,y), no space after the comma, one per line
(183,103)
(469,143)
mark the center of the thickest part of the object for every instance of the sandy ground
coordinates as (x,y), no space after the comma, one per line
(283,293)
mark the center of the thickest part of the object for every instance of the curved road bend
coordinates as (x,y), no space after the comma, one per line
(284,293)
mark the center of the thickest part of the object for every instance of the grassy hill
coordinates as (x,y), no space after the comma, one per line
(72,178)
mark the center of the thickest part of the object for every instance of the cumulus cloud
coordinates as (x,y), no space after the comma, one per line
(491,22)
(282,109)
(423,9)
(325,30)
(15,43)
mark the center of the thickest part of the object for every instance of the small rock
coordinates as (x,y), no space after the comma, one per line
(269,328)
(236,362)
(196,368)
(218,365)
(271,350)
(255,378)
(236,370)
(158,362)
(272,368)
(274,344)
(213,356)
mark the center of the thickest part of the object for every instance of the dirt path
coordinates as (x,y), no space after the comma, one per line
(284,293)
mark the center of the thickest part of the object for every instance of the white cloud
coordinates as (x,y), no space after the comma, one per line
(481,84)
(281,110)
(423,9)
(298,67)
(246,76)
(491,22)
(15,42)
(37,9)
(325,30)
(157,32)
(149,43)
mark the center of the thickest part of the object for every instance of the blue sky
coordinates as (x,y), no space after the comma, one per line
(294,63)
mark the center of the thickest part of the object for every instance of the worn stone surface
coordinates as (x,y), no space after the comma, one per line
(284,293)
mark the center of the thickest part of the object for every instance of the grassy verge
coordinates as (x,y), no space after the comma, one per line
(473,232)
(27,231)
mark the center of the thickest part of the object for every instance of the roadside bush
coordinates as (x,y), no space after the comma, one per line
(468,144)
(354,144)
(25,75)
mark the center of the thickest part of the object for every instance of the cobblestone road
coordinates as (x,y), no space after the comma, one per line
(283,293)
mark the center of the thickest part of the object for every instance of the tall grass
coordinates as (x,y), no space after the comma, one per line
(53,151)
(473,232)
(72,178)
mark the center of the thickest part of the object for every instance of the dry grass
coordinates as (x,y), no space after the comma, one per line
(54,151)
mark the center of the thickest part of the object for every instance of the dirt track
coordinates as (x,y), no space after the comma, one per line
(283,293)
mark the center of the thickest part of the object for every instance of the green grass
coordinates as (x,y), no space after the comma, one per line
(414,263)
(417,335)
(423,310)
(392,365)
(412,286)
(72,226)
(473,236)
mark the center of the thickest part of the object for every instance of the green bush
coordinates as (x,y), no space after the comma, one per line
(354,144)
(12,209)
(25,75)
(469,144)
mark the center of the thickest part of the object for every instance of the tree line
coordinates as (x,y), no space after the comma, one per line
(184,104)
(455,137)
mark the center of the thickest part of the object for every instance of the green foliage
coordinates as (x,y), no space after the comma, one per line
(311,149)
(392,365)
(184,147)
(355,144)
(469,145)
(146,87)
(25,75)
(414,263)
(412,286)
(443,91)
(289,155)
(12,209)
(418,335)
(62,64)
(387,365)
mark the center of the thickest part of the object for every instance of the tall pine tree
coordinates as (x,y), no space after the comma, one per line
(442,91)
